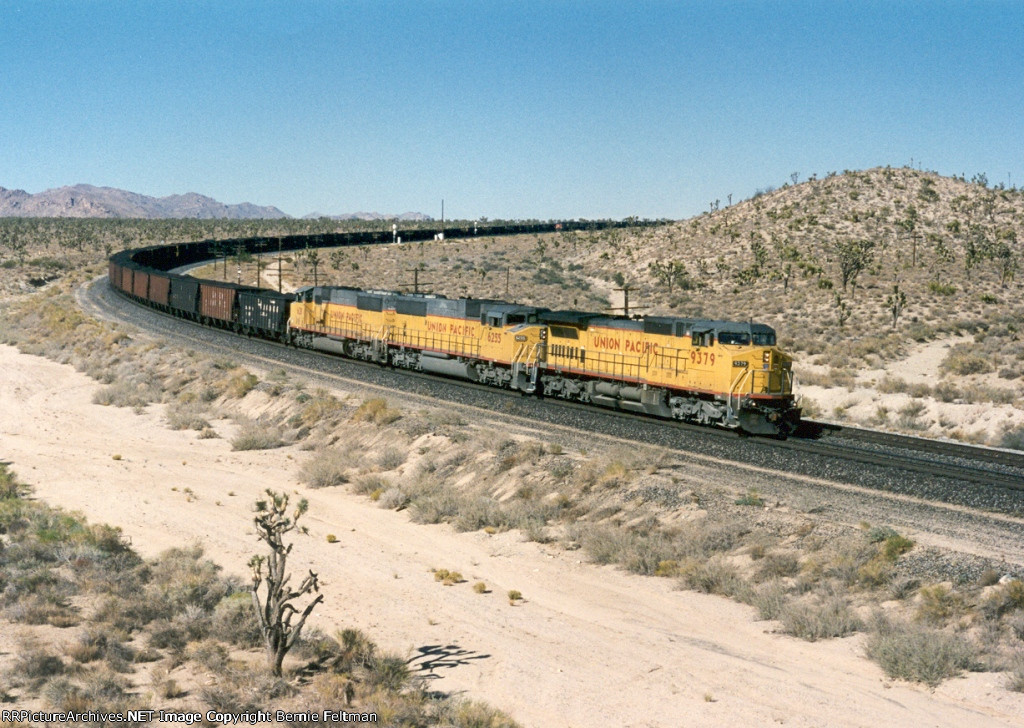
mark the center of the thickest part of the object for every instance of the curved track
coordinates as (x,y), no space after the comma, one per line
(945,472)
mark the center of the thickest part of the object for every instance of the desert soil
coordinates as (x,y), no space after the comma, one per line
(588,646)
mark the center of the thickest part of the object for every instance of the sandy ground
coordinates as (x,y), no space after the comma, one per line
(983,422)
(589,646)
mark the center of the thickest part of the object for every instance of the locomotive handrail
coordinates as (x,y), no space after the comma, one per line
(737,385)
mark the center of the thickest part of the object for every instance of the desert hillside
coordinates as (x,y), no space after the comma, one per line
(896,289)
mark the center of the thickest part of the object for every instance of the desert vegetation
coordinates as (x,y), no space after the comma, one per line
(100,629)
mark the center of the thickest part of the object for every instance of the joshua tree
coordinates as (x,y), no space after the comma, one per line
(895,303)
(274,608)
(854,256)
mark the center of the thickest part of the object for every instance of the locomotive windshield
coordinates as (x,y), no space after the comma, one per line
(764,339)
(734,337)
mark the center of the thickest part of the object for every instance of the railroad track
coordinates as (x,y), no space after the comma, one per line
(970,475)
(1009,458)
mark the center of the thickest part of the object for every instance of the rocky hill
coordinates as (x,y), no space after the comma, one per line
(89,201)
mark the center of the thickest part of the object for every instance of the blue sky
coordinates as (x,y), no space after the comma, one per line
(527,109)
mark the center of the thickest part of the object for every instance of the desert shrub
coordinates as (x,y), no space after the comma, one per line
(211,654)
(910,413)
(240,384)
(941,289)
(471,714)
(812,622)
(10,487)
(165,635)
(769,599)
(320,407)
(939,603)
(315,645)
(776,565)
(366,484)
(390,672)
(391,458)
(639,552)
(918,653)
(436,506)
(187,416)
(480,512)
(393,498)
(714,576)
(946,392)
(36,664)
(125,394)
(963,360)
(510,453)
(750,498)
(254,436)
(240,689)
(377,411)
(130,612)
(1013,439)
(356,650)
(895,546)
(325,468)
(97,642)
(1015,681)
(1008,597)
(182,576)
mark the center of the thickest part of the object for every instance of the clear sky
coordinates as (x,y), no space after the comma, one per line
(514,109)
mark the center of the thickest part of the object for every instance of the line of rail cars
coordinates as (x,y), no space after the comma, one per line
(723,373)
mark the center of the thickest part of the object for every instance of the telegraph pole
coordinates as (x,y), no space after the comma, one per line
(415,280)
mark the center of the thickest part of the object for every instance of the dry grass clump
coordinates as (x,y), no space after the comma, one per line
(253,435)
(377,411)
(325,468)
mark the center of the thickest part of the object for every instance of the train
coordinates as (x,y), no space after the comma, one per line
(728,374)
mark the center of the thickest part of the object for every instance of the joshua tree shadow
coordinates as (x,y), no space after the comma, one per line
(428,659)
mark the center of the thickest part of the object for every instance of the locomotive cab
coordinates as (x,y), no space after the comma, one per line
(760,394)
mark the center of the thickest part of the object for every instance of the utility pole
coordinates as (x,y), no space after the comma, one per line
(415,279)
(279,256)
(625,301)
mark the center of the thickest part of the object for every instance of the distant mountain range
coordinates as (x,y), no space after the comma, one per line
(404,217)
(89,201)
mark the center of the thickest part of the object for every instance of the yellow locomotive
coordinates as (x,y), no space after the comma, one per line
(712,372)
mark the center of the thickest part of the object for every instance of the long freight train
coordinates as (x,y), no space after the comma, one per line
(723,373)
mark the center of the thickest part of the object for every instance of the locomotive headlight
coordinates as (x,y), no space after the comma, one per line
(766,357)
